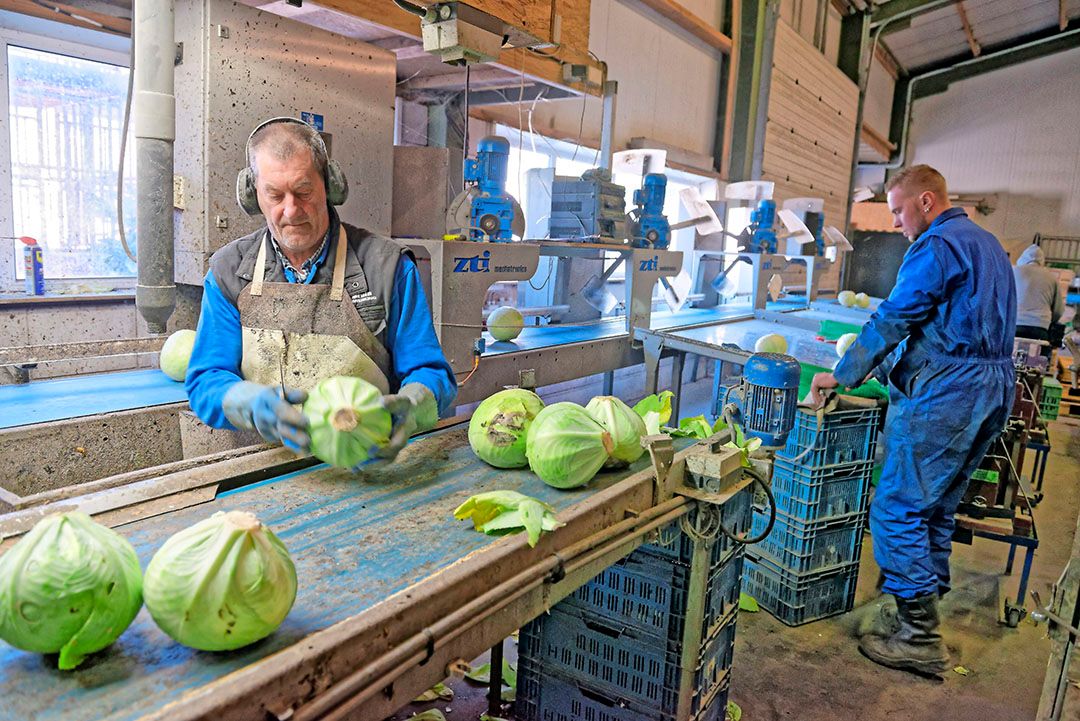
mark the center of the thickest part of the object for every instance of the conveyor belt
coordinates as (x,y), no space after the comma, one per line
(802,344)
(62,398)
(534,338)
(355,541)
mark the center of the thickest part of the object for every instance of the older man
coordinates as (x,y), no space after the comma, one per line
(309,297)
(954,310)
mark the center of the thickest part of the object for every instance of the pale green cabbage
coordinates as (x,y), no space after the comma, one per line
(505,323)
(221,584)
(846,298)
(498,427)
(844,342)
(69,586)
(176,354)
(862,300)
(625,426)
(771,343)
(566,447)
(347,421)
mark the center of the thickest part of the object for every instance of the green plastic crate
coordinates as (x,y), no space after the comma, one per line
(1050,404)
(833,329)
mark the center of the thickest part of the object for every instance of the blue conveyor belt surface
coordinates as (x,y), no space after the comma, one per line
(533,338)
(61,398)
(355,541)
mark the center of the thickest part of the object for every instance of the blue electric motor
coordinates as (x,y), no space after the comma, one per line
(764,402)
(762,220)
(492,214)
(651,228)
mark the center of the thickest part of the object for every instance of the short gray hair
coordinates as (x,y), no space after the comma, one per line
(283,140)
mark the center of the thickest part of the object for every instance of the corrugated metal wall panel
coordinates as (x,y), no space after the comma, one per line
(810,130)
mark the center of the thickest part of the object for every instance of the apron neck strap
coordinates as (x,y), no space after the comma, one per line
(260,267)
(338,284)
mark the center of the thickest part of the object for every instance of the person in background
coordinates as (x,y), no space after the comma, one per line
(1039,304)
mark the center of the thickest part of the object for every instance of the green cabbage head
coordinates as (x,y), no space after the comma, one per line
(499,425)
(625,426)
(566,447)
(223,583)
(69,586)
(347,421)
(176,354)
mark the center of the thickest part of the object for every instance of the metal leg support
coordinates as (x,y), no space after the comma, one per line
(676,384)
(609,383)
(495,682)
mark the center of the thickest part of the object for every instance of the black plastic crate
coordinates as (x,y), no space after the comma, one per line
(843,437)
(674,545)
(551,697)
(818,494)
(621,662)
(803,548)
(650,594)
(797,599)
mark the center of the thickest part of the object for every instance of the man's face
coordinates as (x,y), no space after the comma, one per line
(909,211)
(292,197)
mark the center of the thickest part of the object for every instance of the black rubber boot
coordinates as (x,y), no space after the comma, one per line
(916,645)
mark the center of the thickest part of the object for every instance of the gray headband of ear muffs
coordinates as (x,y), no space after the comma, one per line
(337,185)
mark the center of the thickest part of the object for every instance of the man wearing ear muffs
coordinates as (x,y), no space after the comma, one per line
(309,297)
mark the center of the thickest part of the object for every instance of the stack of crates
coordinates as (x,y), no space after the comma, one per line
(807,567)
(590,209)
(1050,403)
(613,650)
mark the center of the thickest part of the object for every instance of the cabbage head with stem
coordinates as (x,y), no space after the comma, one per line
(69,586)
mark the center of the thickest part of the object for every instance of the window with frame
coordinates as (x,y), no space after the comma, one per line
(65,109)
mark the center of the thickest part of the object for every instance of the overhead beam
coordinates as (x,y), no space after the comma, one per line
(890,13)
(70,15)
(691,23)
(1031,47)
(881,145)
(404,48)
(976,49)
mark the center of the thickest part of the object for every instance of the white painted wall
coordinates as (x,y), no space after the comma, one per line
(1012,132)
(668,80)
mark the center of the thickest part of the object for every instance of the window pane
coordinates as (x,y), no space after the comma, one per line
(66,116)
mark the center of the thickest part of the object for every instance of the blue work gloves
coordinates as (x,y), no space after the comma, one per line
(253,406)
(413,409)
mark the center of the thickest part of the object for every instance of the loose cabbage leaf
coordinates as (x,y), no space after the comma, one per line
(655,410)
(498,513)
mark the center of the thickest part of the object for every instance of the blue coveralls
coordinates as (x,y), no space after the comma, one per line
(950,392)
(415,354)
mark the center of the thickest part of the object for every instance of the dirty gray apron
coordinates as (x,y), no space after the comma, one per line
(297,335)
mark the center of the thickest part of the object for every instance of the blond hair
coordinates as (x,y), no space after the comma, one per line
(918,179)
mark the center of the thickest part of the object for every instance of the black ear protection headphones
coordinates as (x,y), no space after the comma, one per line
(337,185)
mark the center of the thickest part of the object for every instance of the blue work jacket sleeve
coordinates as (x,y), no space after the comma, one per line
(411,340)
(920,286)
(215,359)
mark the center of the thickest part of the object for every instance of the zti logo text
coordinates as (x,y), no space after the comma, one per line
(475,264)
(653,264)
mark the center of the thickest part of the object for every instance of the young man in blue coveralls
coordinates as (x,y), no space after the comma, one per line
(952,313)
(309,297)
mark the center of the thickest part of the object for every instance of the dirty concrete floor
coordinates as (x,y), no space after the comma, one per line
(816,672)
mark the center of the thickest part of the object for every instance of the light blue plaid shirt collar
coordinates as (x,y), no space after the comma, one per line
(308,267)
